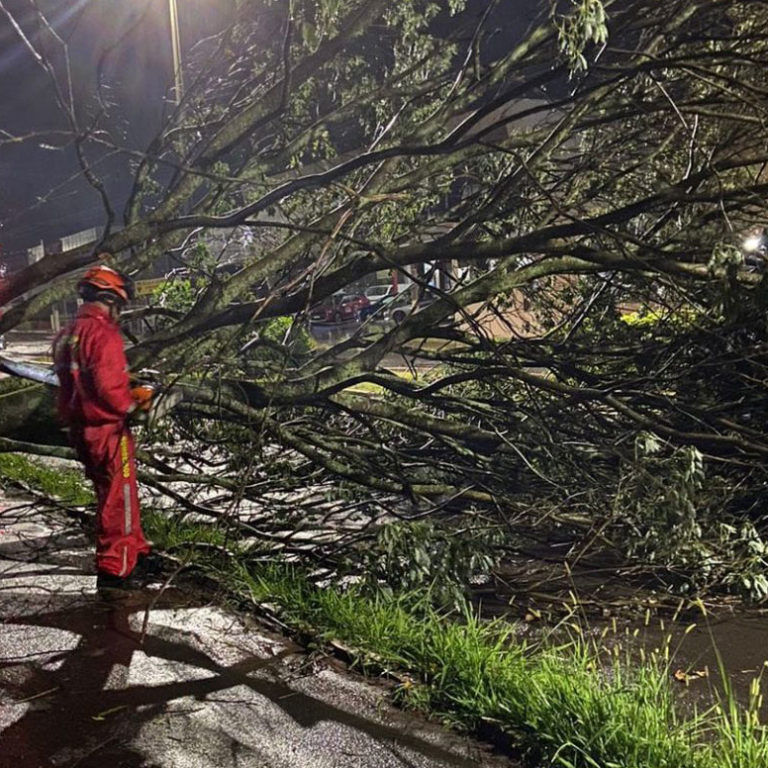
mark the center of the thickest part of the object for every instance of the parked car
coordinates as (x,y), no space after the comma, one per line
(403,305)
(381,296)
(376,293)
(378,296)
(339,307)
(377,309)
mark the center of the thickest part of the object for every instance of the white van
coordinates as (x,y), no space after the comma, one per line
(376,293)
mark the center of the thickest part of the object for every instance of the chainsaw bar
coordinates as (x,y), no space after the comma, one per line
(165,400)
(44,374)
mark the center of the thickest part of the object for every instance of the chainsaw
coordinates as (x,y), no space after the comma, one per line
(154,401)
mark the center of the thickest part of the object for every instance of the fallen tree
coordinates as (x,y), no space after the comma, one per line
(592,356)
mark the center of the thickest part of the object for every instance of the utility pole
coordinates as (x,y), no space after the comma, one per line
(178,77)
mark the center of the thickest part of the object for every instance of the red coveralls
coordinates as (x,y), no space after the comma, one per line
(94,402)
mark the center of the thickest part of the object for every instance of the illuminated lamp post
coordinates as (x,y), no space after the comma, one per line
(178,76)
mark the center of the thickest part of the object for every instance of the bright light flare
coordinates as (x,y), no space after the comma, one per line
(753,243)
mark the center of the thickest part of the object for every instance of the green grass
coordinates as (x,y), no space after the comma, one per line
(66,485)
(566,705)
(171,532)
(569,705)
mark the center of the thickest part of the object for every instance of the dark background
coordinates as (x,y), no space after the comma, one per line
(42,197)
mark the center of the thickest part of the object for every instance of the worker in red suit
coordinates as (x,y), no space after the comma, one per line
(95,402)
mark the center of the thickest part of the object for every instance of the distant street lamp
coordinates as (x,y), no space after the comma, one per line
(755,243)
(178,76)
(755,250)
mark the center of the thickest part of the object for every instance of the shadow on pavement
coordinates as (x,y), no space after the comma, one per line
(77,706)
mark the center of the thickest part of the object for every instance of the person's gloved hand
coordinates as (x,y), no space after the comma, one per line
(142,395)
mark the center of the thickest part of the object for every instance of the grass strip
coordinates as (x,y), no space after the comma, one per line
(565,705)
(66,485)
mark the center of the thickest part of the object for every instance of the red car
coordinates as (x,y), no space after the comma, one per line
(339,307)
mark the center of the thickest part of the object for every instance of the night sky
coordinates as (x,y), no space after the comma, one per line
(130,40)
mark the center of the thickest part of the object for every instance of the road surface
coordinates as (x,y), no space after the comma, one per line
(88,685)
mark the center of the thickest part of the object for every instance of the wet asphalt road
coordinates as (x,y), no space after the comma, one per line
(174,681)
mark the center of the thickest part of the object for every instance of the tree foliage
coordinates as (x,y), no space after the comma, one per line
(587,191)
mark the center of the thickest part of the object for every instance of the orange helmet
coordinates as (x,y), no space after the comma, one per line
(105,283)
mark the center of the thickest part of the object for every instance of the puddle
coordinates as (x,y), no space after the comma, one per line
(612,611)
